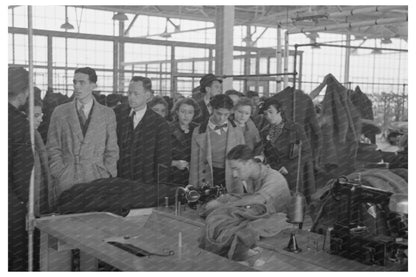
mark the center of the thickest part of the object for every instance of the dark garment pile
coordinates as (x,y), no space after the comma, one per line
(115,195)
(340,126)
(304,115)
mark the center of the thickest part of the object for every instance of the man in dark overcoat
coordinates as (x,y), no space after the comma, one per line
(143,138)
(20,167)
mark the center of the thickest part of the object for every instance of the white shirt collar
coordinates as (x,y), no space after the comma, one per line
(138,116)
(206,101)
(87,107)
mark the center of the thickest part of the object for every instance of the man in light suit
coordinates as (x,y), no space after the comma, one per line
(82,140)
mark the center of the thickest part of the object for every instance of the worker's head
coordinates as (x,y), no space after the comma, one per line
(138,92)
(85,81)
(234,95)
(210,85)
(185,110)
(242,162)
(159,105)
(18,85)
(272,110)
(37,112)
(222,106)
(243,110)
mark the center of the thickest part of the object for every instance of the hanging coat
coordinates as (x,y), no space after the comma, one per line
(305,115)
(341,125)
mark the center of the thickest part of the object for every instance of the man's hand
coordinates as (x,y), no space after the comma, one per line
(180,164)
(283,170)
(213,204)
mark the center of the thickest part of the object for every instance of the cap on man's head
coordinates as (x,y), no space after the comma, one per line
(207,80)
(18,80)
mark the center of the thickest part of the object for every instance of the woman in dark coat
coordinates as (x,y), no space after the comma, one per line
(183,112)
(282,140)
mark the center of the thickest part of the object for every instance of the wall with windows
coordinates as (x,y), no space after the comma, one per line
(175,67)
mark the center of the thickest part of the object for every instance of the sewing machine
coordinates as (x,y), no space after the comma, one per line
(366,228)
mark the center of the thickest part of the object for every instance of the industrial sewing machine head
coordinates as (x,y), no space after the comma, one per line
(199,195)
(368,230)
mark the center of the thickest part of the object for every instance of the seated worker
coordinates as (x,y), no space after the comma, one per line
(260,183)
(235,222)
(211,142)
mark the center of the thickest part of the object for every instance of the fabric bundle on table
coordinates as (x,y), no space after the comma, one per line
(231,231)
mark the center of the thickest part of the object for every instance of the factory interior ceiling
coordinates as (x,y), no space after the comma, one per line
(381,22)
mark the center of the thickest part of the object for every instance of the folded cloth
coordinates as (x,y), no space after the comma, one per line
(231,231)
(269,226)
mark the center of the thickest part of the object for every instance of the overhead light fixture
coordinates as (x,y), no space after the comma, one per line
(165,34)
(354,52)
(67,26)
(376,52)
(120,16)
(386,41)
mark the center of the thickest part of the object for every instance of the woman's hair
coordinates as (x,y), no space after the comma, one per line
(37,102)
(244,101)
(275,103)
(158,100)
(221,101)
(233,92)
(240,152)
(187,101)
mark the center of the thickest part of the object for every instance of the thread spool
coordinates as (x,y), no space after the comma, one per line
(180,245)
(298,205)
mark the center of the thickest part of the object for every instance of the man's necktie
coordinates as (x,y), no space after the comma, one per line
(220,126)
(82,114)
(133,114)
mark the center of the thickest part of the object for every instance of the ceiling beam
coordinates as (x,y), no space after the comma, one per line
(126,32)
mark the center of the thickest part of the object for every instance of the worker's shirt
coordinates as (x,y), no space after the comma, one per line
(273,188)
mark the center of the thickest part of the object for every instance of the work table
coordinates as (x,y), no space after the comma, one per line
(160,228)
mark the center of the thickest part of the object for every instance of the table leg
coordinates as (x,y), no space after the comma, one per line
(88,262)
(51,257)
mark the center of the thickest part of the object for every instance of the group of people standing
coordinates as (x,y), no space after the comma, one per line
(88,141)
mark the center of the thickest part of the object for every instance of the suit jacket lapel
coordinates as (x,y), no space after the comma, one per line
(74,122)
(143,121)
(204,142)
(96,118)
(230,137)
